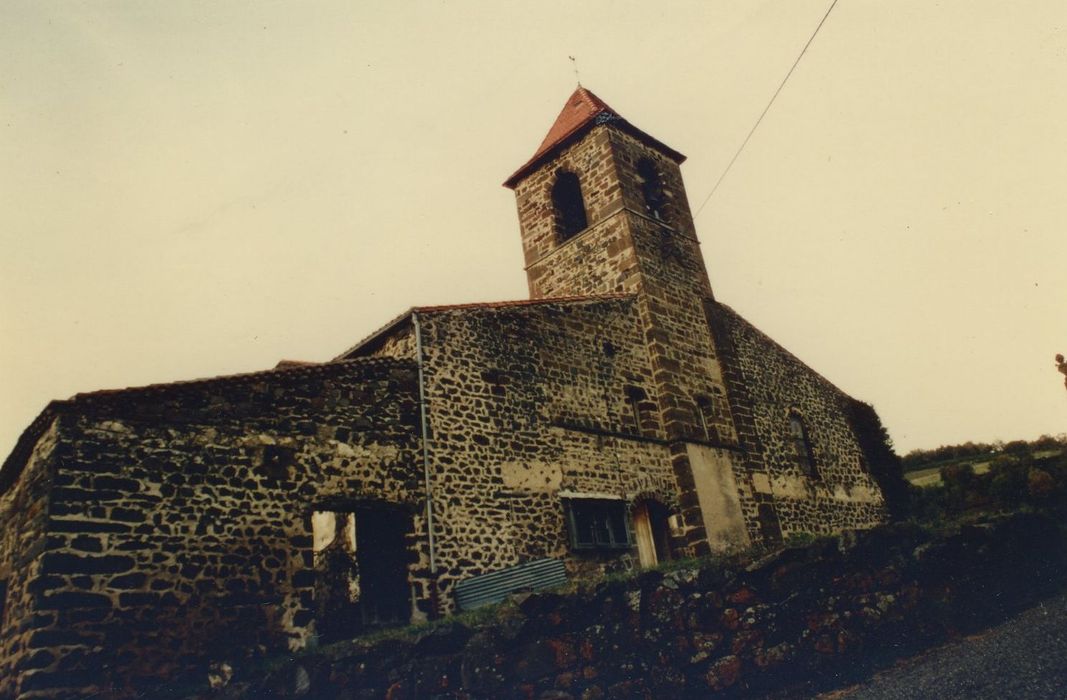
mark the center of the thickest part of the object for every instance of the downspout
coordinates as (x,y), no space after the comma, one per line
(426,465)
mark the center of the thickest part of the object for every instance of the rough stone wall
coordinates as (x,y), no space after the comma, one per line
(399,344)
(625,250)
(591,160)
(766,383)
(180,522)
(526,401)
(599,260)
(673,287)
(23,520)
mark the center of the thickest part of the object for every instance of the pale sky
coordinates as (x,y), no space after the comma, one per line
(193,189)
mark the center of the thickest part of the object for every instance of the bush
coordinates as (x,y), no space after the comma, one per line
(1017,479)
(799,539)
(963,489)
(928,506)
(1008,482)
(1040,485)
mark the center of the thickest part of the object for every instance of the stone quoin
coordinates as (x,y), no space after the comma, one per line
(619,417)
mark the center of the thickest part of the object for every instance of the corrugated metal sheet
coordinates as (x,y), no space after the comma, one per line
(490,588)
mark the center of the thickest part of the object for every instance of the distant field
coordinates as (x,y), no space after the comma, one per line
(931,476)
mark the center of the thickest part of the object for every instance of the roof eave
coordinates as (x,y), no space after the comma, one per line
(539,159)
(385,330)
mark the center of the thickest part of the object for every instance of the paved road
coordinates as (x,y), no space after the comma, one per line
(1025,657)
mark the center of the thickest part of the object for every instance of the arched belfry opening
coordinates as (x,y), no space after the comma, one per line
(655,198)
(568,205)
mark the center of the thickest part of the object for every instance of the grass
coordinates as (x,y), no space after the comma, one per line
(931,476)
(489,614)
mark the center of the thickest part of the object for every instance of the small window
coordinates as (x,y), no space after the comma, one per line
(597,523)
(802,451)
(706,416)
(652,190)
(634,396)
(568,205)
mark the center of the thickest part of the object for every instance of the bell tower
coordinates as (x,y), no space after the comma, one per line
(601,204)
(602,210)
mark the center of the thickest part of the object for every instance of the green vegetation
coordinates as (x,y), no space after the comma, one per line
(1018,476)
(801,539)
(971,452)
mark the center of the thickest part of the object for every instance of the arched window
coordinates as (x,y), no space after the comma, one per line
(802,451)
(568,204)
(652,190)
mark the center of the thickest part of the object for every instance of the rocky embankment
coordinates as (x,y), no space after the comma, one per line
(789,623)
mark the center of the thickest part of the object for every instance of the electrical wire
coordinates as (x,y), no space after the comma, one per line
(765,110)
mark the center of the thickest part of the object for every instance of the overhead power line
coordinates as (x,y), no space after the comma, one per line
(765,110)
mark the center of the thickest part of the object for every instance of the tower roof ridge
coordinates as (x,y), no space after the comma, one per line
(582,110)
(580,107)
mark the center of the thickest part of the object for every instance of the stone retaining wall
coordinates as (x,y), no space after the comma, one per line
(787,623)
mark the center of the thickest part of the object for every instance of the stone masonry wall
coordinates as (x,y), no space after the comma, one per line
(674,285)
(23,524)
(766,383)
(180,522)
(626,250)
(400,344)
(525,401)
(600,259)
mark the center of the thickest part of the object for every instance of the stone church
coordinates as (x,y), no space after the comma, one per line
(619,417)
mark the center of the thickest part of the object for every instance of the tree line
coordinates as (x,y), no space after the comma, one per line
(923,459)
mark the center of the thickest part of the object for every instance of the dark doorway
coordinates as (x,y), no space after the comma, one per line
(769,527)
(652,533)
(361,562)
(383,562)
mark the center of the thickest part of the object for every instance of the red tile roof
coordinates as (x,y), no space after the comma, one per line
(582,111)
